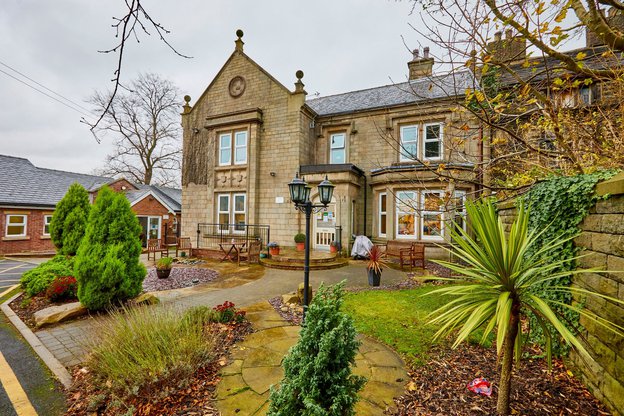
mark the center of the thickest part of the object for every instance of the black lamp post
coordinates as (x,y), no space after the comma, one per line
(300,196)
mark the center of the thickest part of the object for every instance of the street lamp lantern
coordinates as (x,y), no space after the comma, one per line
(297,189)
(300,196)
(326,190)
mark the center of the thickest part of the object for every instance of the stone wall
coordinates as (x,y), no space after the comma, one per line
(602,242)
(602,239)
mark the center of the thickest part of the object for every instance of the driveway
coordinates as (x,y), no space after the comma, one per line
(11,271)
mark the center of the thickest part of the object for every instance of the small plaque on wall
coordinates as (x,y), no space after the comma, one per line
(279,199)
(166,217)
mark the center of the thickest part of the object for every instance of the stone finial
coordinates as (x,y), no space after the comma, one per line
(187,106)
(239,42)
(299,84)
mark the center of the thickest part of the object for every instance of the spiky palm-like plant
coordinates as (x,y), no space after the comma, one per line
(500,284)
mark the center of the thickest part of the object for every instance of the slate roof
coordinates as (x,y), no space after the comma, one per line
(410,92)
(24,184)
(544,67)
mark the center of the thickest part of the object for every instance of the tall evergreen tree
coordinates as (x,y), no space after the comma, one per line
(107,265)
(317,371)
(70,220)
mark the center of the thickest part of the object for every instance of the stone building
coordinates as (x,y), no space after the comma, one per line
(387,149)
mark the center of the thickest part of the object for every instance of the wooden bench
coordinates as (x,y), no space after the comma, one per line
(184,244)
(155,245)
(407,252)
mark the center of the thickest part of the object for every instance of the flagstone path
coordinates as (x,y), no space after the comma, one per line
(256,365)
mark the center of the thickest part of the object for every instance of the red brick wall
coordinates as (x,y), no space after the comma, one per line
(149,206)
(34,241)
(119,185)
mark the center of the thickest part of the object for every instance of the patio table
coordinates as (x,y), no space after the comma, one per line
(229,249)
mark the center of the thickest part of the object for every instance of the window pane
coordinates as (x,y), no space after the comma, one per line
(337,141)
(15,230)
(433,202)
(239,203)
(406,201)
(224,157)
(432,225)
(409,151)
(432,149)
(406,224)
(16,219)
(224,218)
(239,219)
(337,156)
(226,141)
(433,132)
(409,134)
(382,224)
(225,152)
(382,204)
(241,138)
(224,203)
(240,155)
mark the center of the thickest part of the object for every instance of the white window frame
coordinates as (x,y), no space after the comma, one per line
(234,211)
(238,147)
(427,140)
(219,212)
(382,215)
(343,147)
(47,219)
(462,211)
(222,148)
(423,212)
(24,224)
(402,156)
(414,212)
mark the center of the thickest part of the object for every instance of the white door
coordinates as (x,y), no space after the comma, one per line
(324,227)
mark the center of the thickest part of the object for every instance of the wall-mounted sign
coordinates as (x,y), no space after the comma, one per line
(279,199)
(166,217)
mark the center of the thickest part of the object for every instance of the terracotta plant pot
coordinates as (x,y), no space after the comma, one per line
(333,249)
(374,279)
(274,251)
(300,246)
(163,273)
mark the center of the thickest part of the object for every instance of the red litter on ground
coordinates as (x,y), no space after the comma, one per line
(480,386)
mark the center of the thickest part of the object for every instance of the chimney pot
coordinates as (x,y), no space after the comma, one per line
(497,36)
(508,34)
(415,54)
(426,52)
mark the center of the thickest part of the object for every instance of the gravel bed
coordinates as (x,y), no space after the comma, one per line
(180,277)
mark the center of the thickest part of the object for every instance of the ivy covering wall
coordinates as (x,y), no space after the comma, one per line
(560,204)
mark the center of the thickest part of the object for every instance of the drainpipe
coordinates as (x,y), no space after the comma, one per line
(365,203)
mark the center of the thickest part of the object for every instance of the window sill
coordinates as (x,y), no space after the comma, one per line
(16,238)
(230,167)
(45,237)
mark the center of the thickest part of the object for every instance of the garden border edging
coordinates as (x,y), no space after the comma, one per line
(46,356)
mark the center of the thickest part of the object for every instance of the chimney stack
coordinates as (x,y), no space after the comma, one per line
(510,49)
(420,67)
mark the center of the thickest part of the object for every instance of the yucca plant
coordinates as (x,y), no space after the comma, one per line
(500,284)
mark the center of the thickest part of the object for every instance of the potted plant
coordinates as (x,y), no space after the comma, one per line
(333,247)
(375,265)
(163,267)
(274,248)
(300,241)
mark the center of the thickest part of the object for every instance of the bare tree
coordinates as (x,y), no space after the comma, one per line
(135,21)
(145,124)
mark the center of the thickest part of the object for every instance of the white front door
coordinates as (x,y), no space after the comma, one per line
(324,227)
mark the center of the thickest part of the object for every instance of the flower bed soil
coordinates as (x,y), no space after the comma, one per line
(439,387)
(195,398)
(27,310)
(180,277)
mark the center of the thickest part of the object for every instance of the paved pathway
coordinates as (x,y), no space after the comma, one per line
(67,341)
(256,365)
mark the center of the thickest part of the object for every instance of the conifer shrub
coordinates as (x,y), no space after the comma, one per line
(107,264)
(69,221)
(38,280)
(317,370)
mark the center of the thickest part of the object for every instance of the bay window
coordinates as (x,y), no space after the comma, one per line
(432,215)
(406,205)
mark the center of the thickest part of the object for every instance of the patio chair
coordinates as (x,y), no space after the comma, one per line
(184,244)
(251,254)
(155,245)
(418,254)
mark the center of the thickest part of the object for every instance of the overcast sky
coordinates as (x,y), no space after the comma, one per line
(341,45)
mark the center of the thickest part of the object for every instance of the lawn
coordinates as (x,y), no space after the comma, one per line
(397,318)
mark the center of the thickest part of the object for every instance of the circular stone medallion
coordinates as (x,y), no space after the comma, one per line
(237,86)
